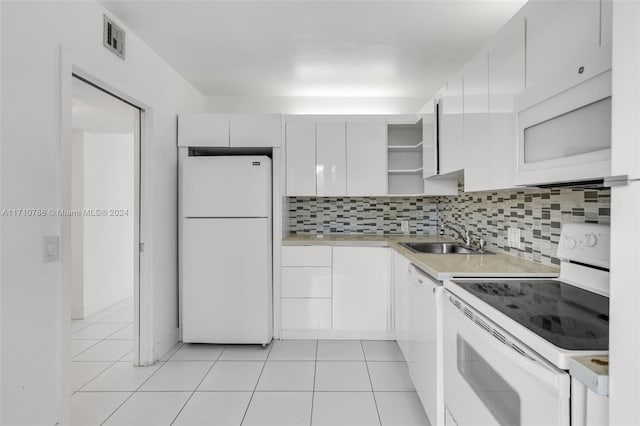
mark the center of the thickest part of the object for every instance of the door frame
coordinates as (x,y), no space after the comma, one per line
(70,65)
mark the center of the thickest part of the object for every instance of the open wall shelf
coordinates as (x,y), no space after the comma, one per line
(405,170)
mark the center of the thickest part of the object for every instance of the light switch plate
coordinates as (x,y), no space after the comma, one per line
(513,238)
(50,249)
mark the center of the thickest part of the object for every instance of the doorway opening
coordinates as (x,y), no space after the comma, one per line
(105,228)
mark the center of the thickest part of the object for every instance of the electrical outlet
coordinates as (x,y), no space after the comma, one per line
(513,238)
(404,226)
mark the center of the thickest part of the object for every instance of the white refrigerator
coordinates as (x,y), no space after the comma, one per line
(226,251)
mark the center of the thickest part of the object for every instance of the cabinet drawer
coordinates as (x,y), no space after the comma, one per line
(306,313)
(306,256)
(306,281)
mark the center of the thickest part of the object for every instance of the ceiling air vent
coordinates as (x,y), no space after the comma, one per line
(113,37)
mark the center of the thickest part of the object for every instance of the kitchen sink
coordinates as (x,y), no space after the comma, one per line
(442,248)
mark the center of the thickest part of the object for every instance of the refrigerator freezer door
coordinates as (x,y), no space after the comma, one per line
(226,186)
(226,287)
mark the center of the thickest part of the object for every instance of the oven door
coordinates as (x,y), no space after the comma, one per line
(492,379)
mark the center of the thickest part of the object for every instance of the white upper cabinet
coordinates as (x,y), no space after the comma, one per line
(301,158)
(451,127)
(606,22)
(366,158)
(230,130)
(476,124)
(506,81)
(255,130)
(560,34)
(429,149)
(625,126)
(203,130)
(331,164)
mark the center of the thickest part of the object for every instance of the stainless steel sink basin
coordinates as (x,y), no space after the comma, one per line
(442,248)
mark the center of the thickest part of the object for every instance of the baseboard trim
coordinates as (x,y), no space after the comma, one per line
(337,334)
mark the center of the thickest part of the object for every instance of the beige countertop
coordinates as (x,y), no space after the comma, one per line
(592,371)
(439,266)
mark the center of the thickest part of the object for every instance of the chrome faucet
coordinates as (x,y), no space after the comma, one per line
(464,235)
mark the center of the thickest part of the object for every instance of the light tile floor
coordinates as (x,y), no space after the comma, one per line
(297,383)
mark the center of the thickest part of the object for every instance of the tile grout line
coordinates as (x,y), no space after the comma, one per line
(366,363)
(256,386)
(129,397)
(197,386)
(313,389)
(96,376)
(138,388)
(99,341)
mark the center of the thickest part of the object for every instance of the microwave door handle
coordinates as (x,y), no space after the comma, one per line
(534,367)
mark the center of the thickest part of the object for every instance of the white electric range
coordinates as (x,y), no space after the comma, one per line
(508,341)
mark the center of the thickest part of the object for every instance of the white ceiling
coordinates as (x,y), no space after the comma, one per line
(315,48)
(95,111)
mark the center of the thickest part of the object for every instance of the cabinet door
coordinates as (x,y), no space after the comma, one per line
(451,130)
(203,130)
(310,281)
(506,81)
(306,314)
(366,159)
(301,158)
(423,340)
(331,164)
(625,149)
(476,124)
(429,153)
(361,277)
(401,301)
(255,130)
(559,35)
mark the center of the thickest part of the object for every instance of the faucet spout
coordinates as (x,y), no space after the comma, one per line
(462,233)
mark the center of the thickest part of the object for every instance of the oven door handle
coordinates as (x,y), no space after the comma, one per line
(536,367)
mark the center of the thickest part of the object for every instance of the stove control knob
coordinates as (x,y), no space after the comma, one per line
(590,240)
(570,242)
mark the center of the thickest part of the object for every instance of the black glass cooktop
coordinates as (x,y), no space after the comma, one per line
(567,316)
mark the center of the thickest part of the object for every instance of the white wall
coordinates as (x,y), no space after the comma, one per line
(624,305)
(313,105)
(32,35)
(108,241)
(77,225)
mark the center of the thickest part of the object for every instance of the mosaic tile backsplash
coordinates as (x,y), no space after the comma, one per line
(366,215)
(538,213)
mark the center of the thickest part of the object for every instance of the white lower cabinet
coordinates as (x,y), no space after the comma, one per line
(336,292)
(309,314)
(400,282)
(306,281)
(361,288)
(306,288)
(425,342)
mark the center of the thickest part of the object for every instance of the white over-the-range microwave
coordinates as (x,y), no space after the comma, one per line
(564,126)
